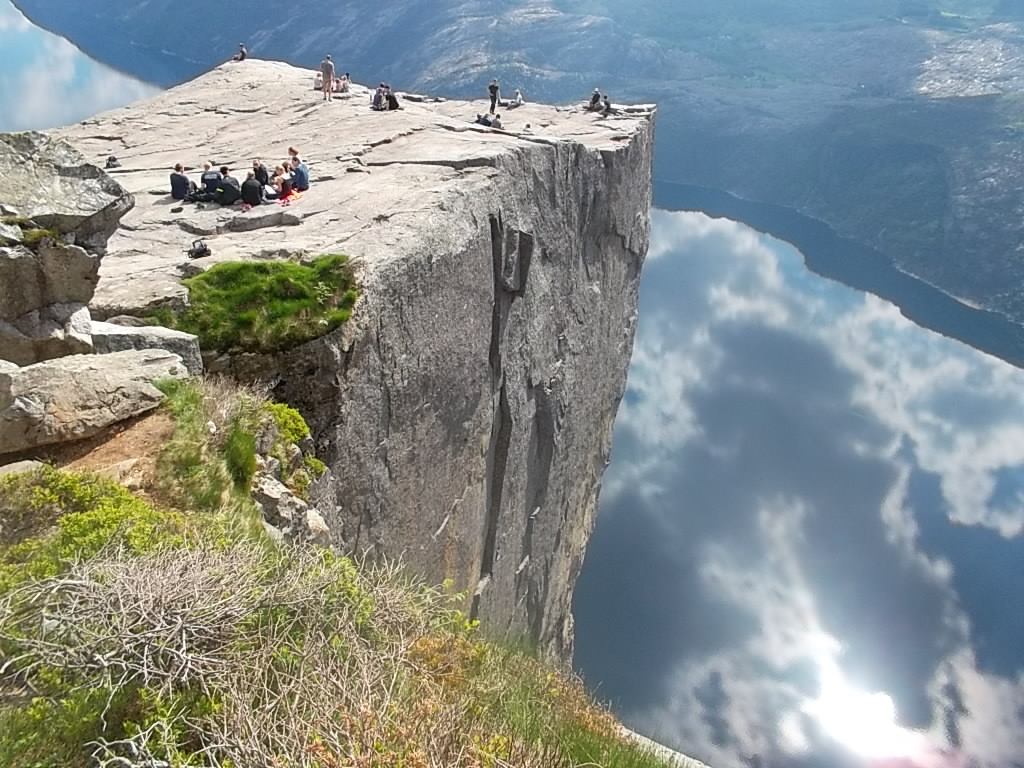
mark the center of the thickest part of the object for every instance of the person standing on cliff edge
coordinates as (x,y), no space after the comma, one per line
(493,91)
(327,75)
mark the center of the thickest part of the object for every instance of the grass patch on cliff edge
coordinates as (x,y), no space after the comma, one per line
(266,306)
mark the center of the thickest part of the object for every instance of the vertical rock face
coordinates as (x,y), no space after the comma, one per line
(467,412)
(466,408)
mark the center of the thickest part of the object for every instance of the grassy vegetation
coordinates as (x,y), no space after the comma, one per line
(266,306)
(135,631)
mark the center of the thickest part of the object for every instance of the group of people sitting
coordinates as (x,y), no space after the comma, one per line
(384,99)
(340,85)
(600,103)
(491,121)
(288,181)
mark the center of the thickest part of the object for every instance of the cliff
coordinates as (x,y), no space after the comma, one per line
(466,408)
(897,124)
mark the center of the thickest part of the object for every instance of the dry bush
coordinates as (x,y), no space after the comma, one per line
(295,659)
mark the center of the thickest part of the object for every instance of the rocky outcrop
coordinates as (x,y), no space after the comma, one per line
(78,396)
(47,180)
(110,337)
(58,212)
(465,410)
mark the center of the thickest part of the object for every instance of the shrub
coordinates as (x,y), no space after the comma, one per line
(51,518)
(33,237)
(268,305)
(290,423)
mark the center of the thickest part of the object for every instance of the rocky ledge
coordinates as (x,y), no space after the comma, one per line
(466,407)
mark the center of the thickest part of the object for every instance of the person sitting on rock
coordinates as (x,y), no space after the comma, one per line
(260,170)
(483,120)
(242,53)
(252,190)
(300,174)
(390,99)
(181,185)
(606,106)
(527,128)
(496,123)
(282,182)
(210,178)
(517,99)
(228,191)
(595,101)
(343,83)
(377,103)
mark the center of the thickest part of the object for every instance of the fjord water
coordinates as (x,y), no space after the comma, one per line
(46,82)
(809,550)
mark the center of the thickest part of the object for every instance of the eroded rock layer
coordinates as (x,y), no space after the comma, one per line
(466,408)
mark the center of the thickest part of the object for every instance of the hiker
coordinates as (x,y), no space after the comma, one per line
(228,191)
(493,91)
(242,53)
(327,74)
(527,128)
(483,120)
(181,185)
(343,83)
(377,104)
(260,171)
(210,178)
(606,106)
(496,123)
(390,99)
(300,174)
(595,101)
(252,190)
(517,99)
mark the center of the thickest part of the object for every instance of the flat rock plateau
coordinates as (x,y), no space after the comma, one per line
(466,408)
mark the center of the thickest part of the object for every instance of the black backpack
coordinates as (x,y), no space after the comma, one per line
(198,250)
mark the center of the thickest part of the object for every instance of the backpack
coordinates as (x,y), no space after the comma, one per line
(198,250)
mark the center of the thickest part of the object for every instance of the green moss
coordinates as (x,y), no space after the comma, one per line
(268,305)
(314,465)
(240,455)
(292,426)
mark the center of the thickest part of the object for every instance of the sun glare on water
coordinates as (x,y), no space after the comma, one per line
(861,721)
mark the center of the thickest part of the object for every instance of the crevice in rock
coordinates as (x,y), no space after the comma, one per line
(501,424)
(385,410)
(458,165)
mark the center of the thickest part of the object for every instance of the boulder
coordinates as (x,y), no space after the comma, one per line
(19,467)
(10,234)
(78,396)
(54,330)
(108,337)
(55,273)
(287,514)
(49,181)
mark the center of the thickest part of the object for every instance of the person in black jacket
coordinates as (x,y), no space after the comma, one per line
(262,174)
(210,178)
(228,191)
(252,190)
(493,91)
(181,185)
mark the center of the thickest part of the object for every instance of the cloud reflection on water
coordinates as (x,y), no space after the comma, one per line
(46,82)
(794,464)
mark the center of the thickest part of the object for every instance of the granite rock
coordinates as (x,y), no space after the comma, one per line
(77,396)
(108,337)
